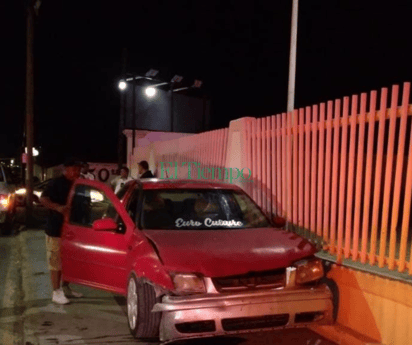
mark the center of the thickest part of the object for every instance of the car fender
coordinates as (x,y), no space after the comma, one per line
(147,265)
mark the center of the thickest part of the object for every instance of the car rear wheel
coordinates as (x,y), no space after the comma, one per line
(141,298)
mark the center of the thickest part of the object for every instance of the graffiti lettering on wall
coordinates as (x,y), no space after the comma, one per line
(103,172)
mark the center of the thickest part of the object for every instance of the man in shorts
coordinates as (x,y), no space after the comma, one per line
(55,198)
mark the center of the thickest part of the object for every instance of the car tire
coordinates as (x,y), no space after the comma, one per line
(141,298)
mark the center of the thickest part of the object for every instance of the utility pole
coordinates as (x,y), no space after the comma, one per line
(31,8)
(120,143)
(292,58)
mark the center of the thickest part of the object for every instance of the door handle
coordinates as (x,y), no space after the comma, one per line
(70,235)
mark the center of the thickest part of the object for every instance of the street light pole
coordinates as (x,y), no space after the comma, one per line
(292,58)
(29,110)
(120,139)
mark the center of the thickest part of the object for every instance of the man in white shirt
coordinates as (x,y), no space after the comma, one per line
(121,180)
(86,174)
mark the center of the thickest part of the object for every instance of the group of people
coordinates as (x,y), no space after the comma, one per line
(123,178)
(55,198)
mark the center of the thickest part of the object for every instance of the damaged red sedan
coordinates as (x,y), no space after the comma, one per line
(193,259)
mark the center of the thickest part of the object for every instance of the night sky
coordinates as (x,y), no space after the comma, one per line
(240,49)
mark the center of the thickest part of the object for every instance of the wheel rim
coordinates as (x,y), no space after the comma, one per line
(132,303)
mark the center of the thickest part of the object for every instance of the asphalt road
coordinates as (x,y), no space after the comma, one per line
(27,316)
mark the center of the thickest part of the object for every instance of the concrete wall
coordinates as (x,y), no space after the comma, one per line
(376,309)
(146,147)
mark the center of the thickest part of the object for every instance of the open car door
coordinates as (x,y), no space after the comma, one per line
(96,236)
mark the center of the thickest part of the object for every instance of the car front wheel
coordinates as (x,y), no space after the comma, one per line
(141,298)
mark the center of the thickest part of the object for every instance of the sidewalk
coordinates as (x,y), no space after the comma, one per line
(32,319)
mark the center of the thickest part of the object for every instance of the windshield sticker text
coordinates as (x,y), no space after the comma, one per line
(180,222)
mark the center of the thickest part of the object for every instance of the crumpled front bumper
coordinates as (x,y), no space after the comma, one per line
(231,313)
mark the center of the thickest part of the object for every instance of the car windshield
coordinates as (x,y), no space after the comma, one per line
(201,209)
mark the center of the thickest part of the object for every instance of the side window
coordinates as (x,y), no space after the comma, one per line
(90,204)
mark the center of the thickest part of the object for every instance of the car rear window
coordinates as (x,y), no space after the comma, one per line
(200,209)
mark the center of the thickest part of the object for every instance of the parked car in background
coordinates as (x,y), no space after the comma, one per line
(193,259)
(8,184)
(38,189)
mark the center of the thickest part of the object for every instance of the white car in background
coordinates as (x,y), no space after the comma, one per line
(7,200)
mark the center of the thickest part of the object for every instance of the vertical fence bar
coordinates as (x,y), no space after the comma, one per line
(214,154)
(398,175)
(301,165)
(225,145)
(343,176)
(289,166)
(321,169)
(279,164)
(295,167)
(335,171)
(263,165)
(275,192)
(250,166)
(254,159)
(406,212)
(313,175)
(351,169)
(359,175)
(378,176)
(307,168)
(388,176)
(368,176)
(259,161)
(284,176)
(328,158)
(269,155)
(248,155)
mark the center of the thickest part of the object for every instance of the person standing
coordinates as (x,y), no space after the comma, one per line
(55,198)
(85,173)
(143,169)
(121,180)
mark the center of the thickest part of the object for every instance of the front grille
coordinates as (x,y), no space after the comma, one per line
(253,280)
(196,327)
(244,323)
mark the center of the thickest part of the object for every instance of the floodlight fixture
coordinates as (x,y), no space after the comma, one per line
(152,73)
(150,92)
(122,85)
(176,79)
(197,84)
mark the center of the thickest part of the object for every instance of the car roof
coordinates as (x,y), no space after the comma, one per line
(156,183)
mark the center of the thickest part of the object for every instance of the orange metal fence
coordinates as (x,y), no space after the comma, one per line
(341,171)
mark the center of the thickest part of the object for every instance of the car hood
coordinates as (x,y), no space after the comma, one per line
(219,253)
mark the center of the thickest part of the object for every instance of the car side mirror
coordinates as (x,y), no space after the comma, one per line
(278,222)
(106,224)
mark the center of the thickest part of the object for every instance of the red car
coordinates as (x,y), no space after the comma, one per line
(194,259)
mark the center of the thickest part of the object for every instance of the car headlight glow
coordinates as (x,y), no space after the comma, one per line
(37,193)
(21,191)
(188,283)
(308,270)
(4,200)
